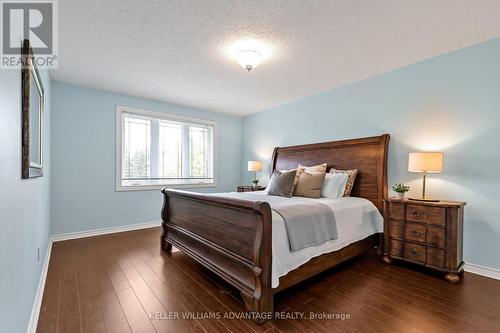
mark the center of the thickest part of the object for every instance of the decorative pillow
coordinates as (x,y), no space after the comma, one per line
(309,185)
(314,168)
(297,175)
(281,183)
(351,174)
(301,168)
(334,185)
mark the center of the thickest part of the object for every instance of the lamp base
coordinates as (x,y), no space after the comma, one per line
(425,200)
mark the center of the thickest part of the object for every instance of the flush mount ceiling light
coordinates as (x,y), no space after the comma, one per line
(248,51)
(249,59)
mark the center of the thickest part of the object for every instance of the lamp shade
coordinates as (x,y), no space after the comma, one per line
(255,166)
(425,162)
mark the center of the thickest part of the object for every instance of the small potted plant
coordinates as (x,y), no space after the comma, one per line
(400,190)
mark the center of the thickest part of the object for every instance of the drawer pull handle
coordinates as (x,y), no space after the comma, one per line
(416,213)
(415,233)
(414,253)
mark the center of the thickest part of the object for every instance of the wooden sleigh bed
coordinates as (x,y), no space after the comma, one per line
(232,237)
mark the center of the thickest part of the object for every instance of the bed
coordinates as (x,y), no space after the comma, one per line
(233,237)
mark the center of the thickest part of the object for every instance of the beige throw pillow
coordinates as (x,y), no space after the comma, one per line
(350,180)
(314,168)
(309,185)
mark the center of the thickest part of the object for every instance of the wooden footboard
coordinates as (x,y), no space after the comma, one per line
(231,237)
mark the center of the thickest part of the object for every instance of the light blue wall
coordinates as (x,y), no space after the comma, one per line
(450,103)
(24,209)
(83,159)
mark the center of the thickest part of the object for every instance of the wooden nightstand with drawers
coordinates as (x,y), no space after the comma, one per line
(425,233)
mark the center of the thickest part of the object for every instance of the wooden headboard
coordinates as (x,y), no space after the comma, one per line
(368,155)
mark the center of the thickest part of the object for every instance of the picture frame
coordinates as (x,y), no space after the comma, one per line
(33,103)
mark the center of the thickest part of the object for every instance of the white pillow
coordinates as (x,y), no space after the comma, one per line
(334,185)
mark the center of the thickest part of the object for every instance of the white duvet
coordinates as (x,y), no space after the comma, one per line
(356,219)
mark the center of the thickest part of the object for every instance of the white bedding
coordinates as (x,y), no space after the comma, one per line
(356,219)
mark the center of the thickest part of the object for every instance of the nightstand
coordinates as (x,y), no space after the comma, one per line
(249,188)
(425,233)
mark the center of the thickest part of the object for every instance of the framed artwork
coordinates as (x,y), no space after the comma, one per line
(33,99)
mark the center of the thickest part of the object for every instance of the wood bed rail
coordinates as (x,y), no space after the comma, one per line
(231,237)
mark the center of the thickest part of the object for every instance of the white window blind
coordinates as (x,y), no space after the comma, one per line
(157,150)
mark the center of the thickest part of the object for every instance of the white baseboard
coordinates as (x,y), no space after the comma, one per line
(104,231)
(35,311)
(490,272)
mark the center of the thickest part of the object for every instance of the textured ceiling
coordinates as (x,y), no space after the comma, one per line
(177,51)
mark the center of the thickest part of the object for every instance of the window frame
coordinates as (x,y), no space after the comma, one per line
(120,109)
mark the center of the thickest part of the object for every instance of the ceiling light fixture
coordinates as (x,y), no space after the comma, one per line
(249,59)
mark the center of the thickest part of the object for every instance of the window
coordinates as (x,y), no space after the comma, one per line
(155,149)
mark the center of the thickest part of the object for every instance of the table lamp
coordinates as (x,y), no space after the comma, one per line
(425,162)
(255,166)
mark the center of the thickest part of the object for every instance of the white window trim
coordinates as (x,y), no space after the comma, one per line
(120,109)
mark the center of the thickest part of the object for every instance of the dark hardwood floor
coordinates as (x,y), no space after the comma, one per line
(124,283)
